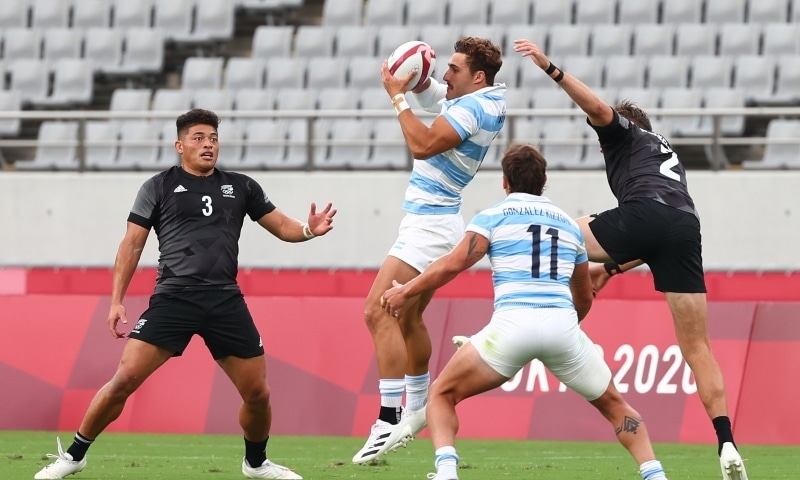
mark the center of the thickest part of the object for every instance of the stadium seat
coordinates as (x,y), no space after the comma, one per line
(565,40)
(14,14)
(624,71)
(667,71)
(510,12)
(73,84)
(706,71)
(695,39)
(100,145)
(202,72)
(518,99)
(174,19)
(681,11)
(425,12)
(313,41)
(515,31)
(463,12)
(60,43)
(679,98)
(30,78)
(253,100)
(550,99)
(355,41)
(49,13)
(754,74)
(272,41)
(128,14)
(292,98)
(353,135)
(442,39)
(10,101)
(389,38)
(91,14)
(787,84)
(167,155)
(264,145)
(139,147)
(509,71)
(129,100)
(588,69)
(243,73)
(495,33)
(325,72)
(645,98)
(611,39)
(364,72)
(591,12)
(525,131)
(374,98)
(739,39)
(634,12)
(283,72)
(552,12)
(557,147)
(768,11)
(390,150)
(780,39)
(143,52)
(170,100)
(342,12)
(297,150)
(231,145)
(21,44)
(212,99)
(215,21)
(381,12)
(779,155)
(653,39)
(730,125)
(593,157)
(532,77)
(103,46)
(729,11)
(56,147)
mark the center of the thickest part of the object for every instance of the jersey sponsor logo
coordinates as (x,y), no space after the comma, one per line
(227,191)
(180,188)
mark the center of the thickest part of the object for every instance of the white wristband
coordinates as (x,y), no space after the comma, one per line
(307,232)
(399,103)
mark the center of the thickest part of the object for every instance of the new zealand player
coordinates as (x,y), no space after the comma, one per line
(197,213)
(655,223)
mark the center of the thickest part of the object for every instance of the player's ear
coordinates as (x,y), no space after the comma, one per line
(480,76)
(179,146)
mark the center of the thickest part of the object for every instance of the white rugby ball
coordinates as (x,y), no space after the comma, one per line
(410,57)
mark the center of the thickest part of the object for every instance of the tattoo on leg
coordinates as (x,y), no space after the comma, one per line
(629,425)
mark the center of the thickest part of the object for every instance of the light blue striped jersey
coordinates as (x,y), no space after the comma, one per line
(533,247)
(436,183)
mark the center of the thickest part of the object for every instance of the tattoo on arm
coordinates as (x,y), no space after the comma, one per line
(630,425)
(473,251)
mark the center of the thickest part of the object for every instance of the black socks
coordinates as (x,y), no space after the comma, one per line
(80,445)
(390,415)
(722,425)
(255,452)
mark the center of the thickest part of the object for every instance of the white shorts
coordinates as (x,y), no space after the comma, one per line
(515,337)
(424,238)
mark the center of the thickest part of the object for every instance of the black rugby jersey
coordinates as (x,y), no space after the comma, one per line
(198,221)
(641,164)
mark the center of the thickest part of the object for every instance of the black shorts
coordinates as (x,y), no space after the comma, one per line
(665,238)
(220,317)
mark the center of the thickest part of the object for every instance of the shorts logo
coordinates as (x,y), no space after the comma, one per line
(227,191)
(260,343)
(139,325)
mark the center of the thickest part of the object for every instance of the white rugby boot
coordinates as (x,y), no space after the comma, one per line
(731,464)
(383,437)
(268,470)
(63,466)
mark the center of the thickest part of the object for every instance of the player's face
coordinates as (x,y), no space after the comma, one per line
(199,149)
(458,77)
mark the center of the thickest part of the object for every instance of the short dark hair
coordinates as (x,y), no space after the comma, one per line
(628,109)
(196,116)
(525,169)
(482,55)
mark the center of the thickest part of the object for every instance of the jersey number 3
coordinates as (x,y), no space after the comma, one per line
(536,250)
(208,209)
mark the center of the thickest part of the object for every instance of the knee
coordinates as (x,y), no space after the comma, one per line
(258,395)
(373,316)
(123,384)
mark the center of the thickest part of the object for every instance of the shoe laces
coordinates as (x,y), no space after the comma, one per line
(61,454)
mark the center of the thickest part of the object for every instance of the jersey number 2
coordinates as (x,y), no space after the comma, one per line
(536,250)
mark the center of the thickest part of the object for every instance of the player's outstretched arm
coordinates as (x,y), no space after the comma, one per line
(292,230)
(598,111)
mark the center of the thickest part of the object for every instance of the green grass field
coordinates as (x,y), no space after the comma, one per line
(218,457)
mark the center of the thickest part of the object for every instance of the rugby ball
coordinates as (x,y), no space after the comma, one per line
(410,57)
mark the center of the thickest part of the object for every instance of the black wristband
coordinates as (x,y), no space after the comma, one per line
(612,268)
(560,76)
(550,68)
